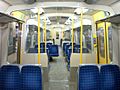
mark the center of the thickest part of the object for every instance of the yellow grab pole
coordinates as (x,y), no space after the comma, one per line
(104,24)
(107,32)
(20,51)
(97,40)
(107,44)
(72,33)
(45,33)
(39,36)
(81,35)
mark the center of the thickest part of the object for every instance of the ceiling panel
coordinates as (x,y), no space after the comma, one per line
(59,10)
(60,20)
(101,2)
(106,2)
(14,2)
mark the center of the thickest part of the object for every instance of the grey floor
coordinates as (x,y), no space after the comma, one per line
(58,74)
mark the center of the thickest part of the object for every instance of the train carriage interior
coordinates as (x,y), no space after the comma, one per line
(59,45)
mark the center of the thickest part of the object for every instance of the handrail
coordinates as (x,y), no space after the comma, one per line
(81,35)
(39,61)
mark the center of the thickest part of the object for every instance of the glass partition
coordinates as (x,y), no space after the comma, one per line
(12,43)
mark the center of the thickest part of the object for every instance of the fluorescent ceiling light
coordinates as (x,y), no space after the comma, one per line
(79,10)
(35,10)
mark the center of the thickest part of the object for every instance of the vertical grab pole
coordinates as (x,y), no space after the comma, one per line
(45,34)
(20,52)
(39,36)
(107,44)
(104,23)
(97,55)
(107,35)
(72,33)
(81,35)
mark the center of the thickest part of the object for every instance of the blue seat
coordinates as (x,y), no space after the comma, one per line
(35,50)
(73,44)
(64,44)
(53,51)
(10,77)
(31,78)
(69,51)
(77,46)
(49,44)
(36,46)
(32,50)
(42,45)
(66,48)
(109,77)
(88,78)
(42,50)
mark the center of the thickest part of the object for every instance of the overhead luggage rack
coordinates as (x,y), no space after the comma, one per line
(113,19)
(5,18)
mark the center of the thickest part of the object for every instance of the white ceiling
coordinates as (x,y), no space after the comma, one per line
(101,2)
(61,20)
(107,2)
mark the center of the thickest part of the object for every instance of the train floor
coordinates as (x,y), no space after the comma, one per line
(58,74)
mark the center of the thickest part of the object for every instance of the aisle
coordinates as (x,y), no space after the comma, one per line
(58,73)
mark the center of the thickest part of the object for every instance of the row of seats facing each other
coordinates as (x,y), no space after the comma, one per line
(42,45)
(14,77)
(75,50)
(52,50)
(42,48)
(66,45)
(104,77)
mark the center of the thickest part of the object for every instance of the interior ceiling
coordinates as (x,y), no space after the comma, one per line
(101,2)
(61,20)
(56,20)
(59,10)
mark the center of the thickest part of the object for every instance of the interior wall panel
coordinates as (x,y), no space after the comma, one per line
(116,7)
(3,6)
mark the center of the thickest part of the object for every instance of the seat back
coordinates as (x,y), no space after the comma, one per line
(10,77)
(36,46)
(73,44)
(64,44)
(32,50)
(42,50)
(66,48)
(42,45)
(88,77)
(109,77)
(49,44)
(53,50)
(77,46)
(31,78)
(69,51)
